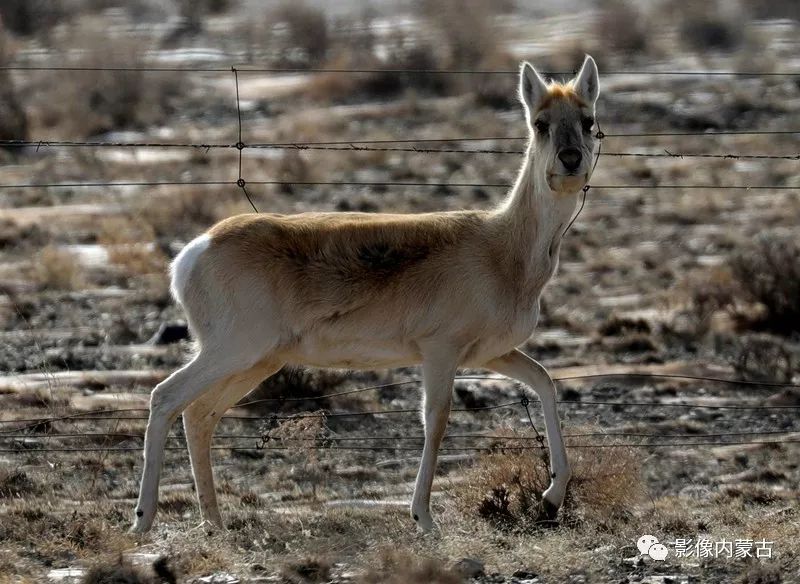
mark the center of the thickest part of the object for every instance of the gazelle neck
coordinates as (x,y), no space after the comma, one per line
(533,217)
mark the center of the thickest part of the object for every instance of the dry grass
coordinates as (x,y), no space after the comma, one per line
(707,26)
(29,17)
(622,28)
(307,571)
(17,484)
(393,567)
(306,34)
(131,245)
(185,212)
(94,102)
(294,383)
(120,572)
(56,269)
(768,270)
(505,488)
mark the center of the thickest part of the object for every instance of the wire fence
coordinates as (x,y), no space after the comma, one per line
(383,145)
(31,438)
(249,68)
(41,429)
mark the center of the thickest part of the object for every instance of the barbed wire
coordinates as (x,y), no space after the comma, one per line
(487,449)
(505,438)
(265,69)
(363,146)
(96,415)
(413,184)
(384,146)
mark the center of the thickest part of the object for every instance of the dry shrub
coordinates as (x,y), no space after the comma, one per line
(21,237)
(467,29)
(30,17)
(56,269)
(13,119)
(17,483)
(673,517)
(402,53)
(760,288)
(304,431)
(306,39)
(773,9)
(302,436)
(761,357)
(760,573)
(397,568)
(131,244)
(176,503)
(768,270)
(307,571)
(187,212)
(121,571)
(706,26)
(313,384)
(622,28)
(498,92)
(93,102)
(505,487)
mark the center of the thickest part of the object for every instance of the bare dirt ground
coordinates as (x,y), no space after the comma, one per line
(694,282)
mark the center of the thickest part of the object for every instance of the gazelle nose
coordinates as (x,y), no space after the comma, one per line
(570,158)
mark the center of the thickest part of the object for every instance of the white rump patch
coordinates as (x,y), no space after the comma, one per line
(183,264)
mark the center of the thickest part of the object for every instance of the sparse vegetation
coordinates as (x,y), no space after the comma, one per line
(707,26)
(398,568)
(622,28)
(57,269)
(702,282)
(768,271)
(506,488)
(29,17)
(307,38)
(95,101)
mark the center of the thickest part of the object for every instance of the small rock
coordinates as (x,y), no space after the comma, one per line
(469,568)
(219,578)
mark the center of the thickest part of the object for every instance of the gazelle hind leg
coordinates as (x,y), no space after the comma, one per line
(438,371)
(519,366)
(199,421)
(168,400)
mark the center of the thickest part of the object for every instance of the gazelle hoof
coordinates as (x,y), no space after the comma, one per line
(424,521)
(138,529)
(548,514)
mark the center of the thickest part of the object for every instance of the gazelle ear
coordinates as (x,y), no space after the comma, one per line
(532,88)
(587,83)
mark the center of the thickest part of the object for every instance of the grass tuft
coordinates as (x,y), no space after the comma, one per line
(505,488)
(398,568)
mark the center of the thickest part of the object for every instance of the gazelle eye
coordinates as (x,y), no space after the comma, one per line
(587,124)
(541,126)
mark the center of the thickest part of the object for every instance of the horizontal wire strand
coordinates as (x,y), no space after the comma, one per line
(353,148)
(686,435)
(90,415)
(263,69)
(381,184)
(497,449)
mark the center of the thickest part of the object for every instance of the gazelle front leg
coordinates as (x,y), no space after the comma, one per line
(518,365)
(438,372)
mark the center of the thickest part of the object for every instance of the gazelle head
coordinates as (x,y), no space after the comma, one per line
(561,119)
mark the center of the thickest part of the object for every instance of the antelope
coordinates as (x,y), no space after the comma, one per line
(367,291)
